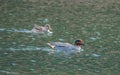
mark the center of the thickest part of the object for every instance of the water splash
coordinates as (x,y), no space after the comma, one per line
(29,48)
(15,30)
(25,31)
(8,72)
(2,29)
(25,48)
(92,55)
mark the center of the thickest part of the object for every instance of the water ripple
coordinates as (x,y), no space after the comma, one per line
(15,30)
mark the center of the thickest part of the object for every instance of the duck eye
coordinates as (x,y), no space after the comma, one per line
(77,41)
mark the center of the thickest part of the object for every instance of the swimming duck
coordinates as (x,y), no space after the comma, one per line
(41,29)
(66,48)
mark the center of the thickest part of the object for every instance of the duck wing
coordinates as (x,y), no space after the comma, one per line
(59,44)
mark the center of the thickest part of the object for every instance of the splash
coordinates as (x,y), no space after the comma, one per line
(28,48)
(25,31)
(8,72)
(15,30)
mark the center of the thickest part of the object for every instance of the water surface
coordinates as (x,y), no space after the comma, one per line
(96,22)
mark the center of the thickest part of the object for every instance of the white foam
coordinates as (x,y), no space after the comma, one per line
(8,72)
(15,30)
(2,29)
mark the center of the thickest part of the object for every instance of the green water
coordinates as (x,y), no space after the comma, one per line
(96,22)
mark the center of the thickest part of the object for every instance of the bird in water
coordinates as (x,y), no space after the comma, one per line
(66,48)
(41,29)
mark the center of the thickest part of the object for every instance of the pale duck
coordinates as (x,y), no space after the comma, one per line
(41,29)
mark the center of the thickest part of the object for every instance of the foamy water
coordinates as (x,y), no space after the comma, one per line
(15,30)
(25,31)
(22,47)
(9,72)
(30,48)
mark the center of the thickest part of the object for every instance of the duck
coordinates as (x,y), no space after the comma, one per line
(67,48)
(41,29)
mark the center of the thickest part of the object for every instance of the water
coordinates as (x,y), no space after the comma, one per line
(95,22)
(14,45)
(7,72)
(29,34)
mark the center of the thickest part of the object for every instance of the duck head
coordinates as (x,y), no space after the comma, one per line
(79,42)
(47,26)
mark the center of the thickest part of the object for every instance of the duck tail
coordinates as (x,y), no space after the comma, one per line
(50,44)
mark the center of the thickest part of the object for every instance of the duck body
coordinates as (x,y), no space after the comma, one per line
(41,29)
(65,48)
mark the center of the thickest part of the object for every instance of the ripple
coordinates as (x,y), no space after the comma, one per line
(33,61)
(29,48)
(95,55)
(46,20)
(60,39)
(15,30)
(93,38)
(26,48)
(98,33)
(14,64)
(2,29)
(92,55)
(7,72)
